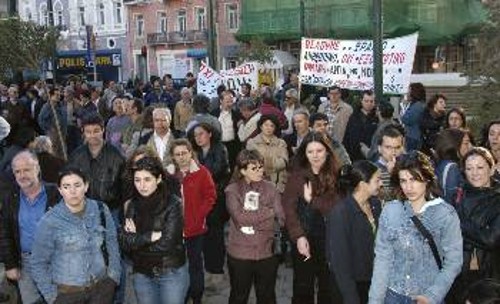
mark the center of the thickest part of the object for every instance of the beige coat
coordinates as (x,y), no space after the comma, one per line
(275,158)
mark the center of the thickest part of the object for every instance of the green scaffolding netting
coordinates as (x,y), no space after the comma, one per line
(437,21)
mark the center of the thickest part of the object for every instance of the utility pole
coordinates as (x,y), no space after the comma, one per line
(302,21)
(50,13)
(378,77)
(212,36)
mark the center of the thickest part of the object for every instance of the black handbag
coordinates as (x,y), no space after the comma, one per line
(428,236)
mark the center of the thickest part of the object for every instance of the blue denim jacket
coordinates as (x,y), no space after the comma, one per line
(67,249)
(404,260)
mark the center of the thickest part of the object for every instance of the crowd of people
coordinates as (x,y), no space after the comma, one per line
(169,189)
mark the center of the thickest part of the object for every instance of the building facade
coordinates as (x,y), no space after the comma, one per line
(172,37)
(74,18)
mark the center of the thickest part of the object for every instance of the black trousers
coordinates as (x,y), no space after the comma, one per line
(101,293)
(214,249)
(245,273)
(306,274)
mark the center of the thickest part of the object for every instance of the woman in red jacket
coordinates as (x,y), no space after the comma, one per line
(198,193)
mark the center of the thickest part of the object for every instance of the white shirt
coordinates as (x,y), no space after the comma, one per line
(289,115)
(161,144)
(226,122)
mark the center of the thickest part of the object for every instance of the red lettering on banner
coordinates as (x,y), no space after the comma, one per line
(322,45)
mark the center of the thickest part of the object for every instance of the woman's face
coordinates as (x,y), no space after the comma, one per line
(145,182)
(182,156)
(316,154)
(73,189)
(254,172)
(412,188)
(465,146)
(268,128)
(440,106)
(202,137)
(494,138)
(374,184)
(455,121)
(477,171)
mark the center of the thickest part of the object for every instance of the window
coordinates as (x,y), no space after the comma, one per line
(44,15)
(201,18)
(139,25)
(162,22)
(118,12)
(232,16)
(81,15)
(181,21)
(101,14)
(58,14)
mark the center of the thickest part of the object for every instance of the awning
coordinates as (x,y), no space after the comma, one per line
(197,53)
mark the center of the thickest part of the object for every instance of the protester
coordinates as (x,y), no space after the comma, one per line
(254,207)
(413,115)
(350,230)
(152,236)
(309,195)
(418,248)
(21,213)
(75,253)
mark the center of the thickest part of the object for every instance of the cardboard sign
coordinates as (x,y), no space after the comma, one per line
(208,79)
(349,63)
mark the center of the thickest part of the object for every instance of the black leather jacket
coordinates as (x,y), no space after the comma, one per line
(104,173)
(479,212)
(10,240)
(168,252)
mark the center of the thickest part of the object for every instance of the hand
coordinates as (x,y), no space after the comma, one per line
(421,300)
(303,247)
(130,226)
(308,192)
(13,274)
(155,236)
(391,164)
(364,149)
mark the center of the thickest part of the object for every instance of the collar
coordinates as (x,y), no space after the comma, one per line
(193,167)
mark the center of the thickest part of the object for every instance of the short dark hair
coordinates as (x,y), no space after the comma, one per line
(317,116)
(245,158)
(448,143)
(392,131)
(92,120)
(272,118)
(247,85)
(70,170)
(386,110)
(138,104)
(417,92)
(434,99)
(221,88)
(201,103)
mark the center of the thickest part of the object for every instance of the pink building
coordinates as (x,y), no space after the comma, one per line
(171,36)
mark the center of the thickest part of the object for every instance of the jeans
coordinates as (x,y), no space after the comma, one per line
(120,290)
(194,248)
(29,292)
(170,287)
(392,297)
(245,273)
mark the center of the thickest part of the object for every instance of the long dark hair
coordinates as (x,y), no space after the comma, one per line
(154,166)
(327,177)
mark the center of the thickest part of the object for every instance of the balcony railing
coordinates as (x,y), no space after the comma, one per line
(178,37)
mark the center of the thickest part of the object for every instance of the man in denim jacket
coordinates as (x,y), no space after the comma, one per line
(69,259)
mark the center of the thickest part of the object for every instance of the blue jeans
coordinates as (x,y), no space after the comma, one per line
(170,287)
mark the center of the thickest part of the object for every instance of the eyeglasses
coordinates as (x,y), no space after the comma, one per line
(183,153)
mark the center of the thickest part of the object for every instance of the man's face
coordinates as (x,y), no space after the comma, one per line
(161,123)
(245,91)
(320,126)
(186,95)
(93,135)
(334,95)
(227,101)
(26,171)
(169,84)
(13,93)
(56,96)
(157,85)
(391,147)
(368,103)
(301,123)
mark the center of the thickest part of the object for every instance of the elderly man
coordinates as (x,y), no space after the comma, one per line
(161,138)
(21,212)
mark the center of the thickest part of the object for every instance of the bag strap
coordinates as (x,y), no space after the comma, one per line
(104,248)
(428,236)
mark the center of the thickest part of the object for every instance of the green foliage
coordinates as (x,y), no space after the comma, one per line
(256,50)
(24,45)
(484,87)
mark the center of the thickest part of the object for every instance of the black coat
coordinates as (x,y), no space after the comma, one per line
(10,243)
(479,212)
(430,127)
(360,129)
(167,217)
(104,173)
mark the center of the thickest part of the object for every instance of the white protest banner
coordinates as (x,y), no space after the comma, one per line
(349,63)
(208,79)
